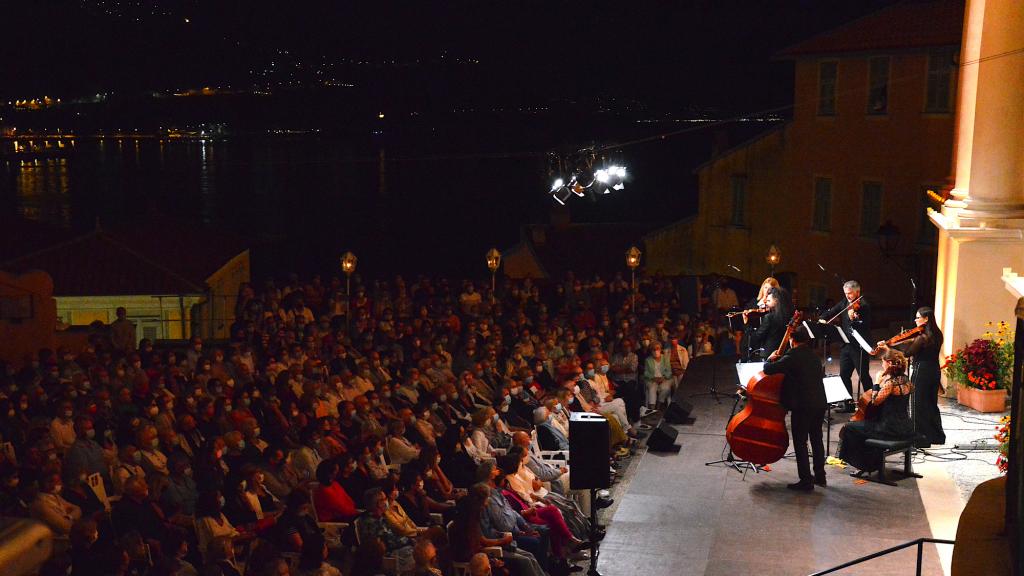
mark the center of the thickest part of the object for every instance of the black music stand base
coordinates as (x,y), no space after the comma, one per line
(730,460)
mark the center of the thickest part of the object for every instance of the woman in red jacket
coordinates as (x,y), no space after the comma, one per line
(332,503)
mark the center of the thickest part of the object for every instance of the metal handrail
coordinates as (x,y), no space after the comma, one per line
(920,549)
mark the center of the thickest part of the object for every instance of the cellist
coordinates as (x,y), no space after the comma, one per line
(885,415)
(803,394)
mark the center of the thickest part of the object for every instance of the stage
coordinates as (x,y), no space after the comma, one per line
(678,516)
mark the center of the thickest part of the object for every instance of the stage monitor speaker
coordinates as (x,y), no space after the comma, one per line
(588,451)
(678,412)
(663,439)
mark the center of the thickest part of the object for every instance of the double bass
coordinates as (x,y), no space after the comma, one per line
(758,433)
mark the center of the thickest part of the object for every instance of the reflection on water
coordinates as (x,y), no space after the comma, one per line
(307,196)
(42,187)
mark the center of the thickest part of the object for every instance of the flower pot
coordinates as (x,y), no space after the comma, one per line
(982,400)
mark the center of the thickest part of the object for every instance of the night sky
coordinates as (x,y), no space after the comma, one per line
(661,55)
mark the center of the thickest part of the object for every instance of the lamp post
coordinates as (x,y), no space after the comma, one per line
(633,261)
(493,261)
(773,257)
(348,266)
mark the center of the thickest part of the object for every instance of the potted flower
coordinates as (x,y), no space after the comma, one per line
(1003,437)
(983,369)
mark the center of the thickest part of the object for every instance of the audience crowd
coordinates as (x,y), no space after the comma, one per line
(398,431)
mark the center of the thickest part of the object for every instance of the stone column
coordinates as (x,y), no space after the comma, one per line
(981,228)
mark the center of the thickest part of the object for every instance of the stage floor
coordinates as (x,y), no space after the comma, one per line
(677,516)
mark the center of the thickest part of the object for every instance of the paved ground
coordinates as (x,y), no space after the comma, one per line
(675,515)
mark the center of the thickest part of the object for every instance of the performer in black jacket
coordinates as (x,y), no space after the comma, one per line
(803,394)
(768,335)
(852,356)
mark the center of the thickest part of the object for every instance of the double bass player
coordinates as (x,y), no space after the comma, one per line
(804,396)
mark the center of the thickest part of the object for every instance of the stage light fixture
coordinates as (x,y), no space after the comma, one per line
(561,195)
(557,184)
(602,176)
(619,186)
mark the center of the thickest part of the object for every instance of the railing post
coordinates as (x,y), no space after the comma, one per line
(920,550)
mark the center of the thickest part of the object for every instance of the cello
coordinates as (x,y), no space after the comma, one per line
(758,433)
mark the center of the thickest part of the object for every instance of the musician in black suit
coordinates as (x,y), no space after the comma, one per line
(852,356)
(803,394)
(767,337)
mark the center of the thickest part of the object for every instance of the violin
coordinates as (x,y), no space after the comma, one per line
(760,310)
(855,305)
(899,338)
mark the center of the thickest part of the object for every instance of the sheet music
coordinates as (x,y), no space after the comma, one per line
(860,340)
(808,328)
(842,334)
(835,390)
(747,370)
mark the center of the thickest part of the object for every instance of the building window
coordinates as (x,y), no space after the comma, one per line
(941,67)
(739,201)
(878,86)
(871,208)
(822,204)
(817,295)
(827,74)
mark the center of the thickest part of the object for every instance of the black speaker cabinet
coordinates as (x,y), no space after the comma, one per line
(678,412)
(588,451)
(663,439)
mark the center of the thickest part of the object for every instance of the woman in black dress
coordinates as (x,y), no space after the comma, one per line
(924,351)
(767,337)
(885,415)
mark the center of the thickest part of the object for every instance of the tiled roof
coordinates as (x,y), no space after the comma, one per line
(150,257)
(97,264)
(914,24)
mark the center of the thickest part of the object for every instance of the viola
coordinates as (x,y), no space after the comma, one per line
(758,433)
(901,337)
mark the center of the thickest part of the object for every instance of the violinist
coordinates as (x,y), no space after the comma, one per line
(885,415)
(803,394)
(924,350)
(755,306)
(856,316)
(767,337)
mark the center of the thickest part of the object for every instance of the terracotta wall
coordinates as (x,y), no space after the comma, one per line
(21,337)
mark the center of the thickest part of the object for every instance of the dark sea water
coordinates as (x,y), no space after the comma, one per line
(426,204)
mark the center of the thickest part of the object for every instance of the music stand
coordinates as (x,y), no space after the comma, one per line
(835,393)
(864,347)
(744,372)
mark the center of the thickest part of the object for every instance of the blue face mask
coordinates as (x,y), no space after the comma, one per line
(508,399)
(604,369)
(529,379)
(558,407)
(590,373)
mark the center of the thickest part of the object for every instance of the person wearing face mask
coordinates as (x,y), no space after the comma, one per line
(399,450)
(154,461)
(212,524)
(657,377)
(86,454)
(78,492)
(127,466)
(549,436)
(62,428)
(137,511)
(50,508)
(180,494)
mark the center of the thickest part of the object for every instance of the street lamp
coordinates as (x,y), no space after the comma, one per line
(773,257)
(348,266)
(493,261)
(633,261)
